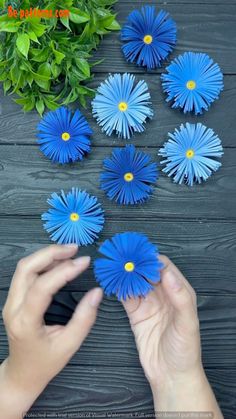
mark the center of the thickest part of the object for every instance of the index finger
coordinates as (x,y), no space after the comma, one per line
(43,258)
(29,267)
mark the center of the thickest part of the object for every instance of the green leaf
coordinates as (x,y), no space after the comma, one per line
(4,18)
(27,102)
(23,44)
(65,22)
(6,86)
(56,70)
(9,26)
(38,28)
(45,85)
(22,101)
(45,70)
(3,76)
(83,66)
(39,55)
(114,26)
(42,77)
(29,106)
(32,36)
(59,56)
(30,79)
(78,16)
(106,21)
(2,4)
(50,104)
(40,106)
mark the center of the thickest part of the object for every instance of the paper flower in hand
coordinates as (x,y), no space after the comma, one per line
(75,217)
(190,153)
(193,82)
(64,137)
(122,106)
(130,262)
(128,175)
(149,37)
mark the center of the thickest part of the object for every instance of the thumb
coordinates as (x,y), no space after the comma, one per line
(185,312)
(83,319)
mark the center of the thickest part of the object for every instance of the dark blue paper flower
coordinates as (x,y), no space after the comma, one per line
(193,82)
(131,261)
(149,37)
(64,137)
(128,175)
(122,106)
(189,153)
(75,217)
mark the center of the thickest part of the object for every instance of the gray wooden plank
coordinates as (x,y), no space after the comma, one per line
(17,127)
(163,3)
(28,179)
(118,391)
(111,341)
(203,28)
(204,251)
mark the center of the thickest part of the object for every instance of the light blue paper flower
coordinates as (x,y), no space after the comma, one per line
(121,106)
(193,81)
(190,154)
(75,217)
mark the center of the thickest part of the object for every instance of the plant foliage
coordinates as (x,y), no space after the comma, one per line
(46,61)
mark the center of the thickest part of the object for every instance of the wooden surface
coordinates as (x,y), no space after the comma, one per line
(196,226)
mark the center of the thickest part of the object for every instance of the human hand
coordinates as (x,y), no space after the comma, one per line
(37,352)
(166,329)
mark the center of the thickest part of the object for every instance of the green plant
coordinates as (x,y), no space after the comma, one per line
(46,61)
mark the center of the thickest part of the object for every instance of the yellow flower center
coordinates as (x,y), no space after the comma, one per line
(74,216)
(129,266)
(191,85)
(190,153)
(65,136)
(147,39)
(123,106)
(128,177)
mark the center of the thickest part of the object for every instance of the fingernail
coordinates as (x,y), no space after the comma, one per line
(173,281)
(95,297)
(83,260)
(71,245)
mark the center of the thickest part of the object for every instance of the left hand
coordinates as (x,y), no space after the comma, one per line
(37,352)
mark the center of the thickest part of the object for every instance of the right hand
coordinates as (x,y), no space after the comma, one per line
(166,327)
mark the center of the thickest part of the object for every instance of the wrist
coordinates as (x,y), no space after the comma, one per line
(168,381)
(16,395)
(186,392)
(181,391)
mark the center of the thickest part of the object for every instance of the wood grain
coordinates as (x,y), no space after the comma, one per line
(19,128)
(28,179)
(119,391)
(195,227)
(204,251)
(201,27)
(111,341)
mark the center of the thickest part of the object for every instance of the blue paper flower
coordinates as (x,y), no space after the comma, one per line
(128,175)
(64,137)
(131,261)
(122,106)
(75,217)
(189,153)
(193,82)
(149,37)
